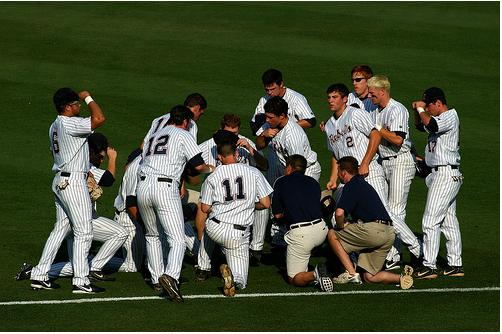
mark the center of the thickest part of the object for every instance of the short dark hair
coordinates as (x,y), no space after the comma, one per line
(230,120)
(433,94)
(339,88)
(364,69)
(276,105)
(298,162)
(349,164)
(226,148)
(62,97)
(271,76)
(195,99)
(97,142)
(222,136)
(178,114)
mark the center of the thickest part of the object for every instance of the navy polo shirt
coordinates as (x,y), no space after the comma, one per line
(298,197)
(361,201)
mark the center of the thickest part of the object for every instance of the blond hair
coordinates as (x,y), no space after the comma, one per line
(380,82)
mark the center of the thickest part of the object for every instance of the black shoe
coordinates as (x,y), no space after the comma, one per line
(157,287)
(391,265)
(87,288)
(24,272)
(171,287)
(182,280)
(45,285)
(425,273)
(454,271)
(100,277)
(201,275)
(254,257)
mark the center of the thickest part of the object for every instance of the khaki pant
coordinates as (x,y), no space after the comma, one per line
(371,240)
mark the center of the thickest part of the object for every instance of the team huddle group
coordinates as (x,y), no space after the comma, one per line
(361,211)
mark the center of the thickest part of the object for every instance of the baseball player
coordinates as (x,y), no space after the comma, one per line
(391,119)
(442,155)
(68,138)
(228,195)
(298,109)
(165,154)
(360,96)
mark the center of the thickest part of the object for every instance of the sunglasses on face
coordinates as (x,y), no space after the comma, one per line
(357,79)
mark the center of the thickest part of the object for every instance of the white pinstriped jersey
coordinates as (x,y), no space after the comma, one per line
(161,122)
(129,184)
(394,117)
(365,104)
(166,152)
(443,146)
(291,139)
(298,107)
(210,155)
(349,134)
(232,190)
(68,139)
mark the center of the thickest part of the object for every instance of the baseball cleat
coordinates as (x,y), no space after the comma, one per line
(157,287)
(425,273)
(24,272)
(43,285)
(97,275)
(406,278)
(87,288)
(392,264)
(254,257)
(171,287)
(202,275)
(345,278)
(453,271)
(228,281)
(322,279)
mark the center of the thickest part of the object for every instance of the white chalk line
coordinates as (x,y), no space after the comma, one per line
(248,295)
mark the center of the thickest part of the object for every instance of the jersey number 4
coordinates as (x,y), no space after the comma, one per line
(160,146)
(228,192)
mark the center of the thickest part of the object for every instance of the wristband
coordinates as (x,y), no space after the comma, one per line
(420,110)
(88,100)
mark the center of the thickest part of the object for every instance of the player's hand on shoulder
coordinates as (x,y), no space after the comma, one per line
(83,94)
(244,143)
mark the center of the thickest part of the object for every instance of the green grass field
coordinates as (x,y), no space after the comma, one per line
(140,59)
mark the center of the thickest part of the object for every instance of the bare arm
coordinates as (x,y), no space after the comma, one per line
(112,160)
(334,175)
(340,218)
(206,208)
(391,137)
(374,141)
(261,161)
(264,203)
(304,124)
(97,116)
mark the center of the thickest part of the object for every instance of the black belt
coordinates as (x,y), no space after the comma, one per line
(236,226)
(379,221)
(65,174)
(118,212)
(436,168)
(293,226)
(388,158)
(159,179)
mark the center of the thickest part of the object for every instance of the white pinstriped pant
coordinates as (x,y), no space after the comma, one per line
(161,200)
(73,212)
(258,229)
(377,180)
(399,172)
(440,216)
(235,246)
(134,246)
(104,230)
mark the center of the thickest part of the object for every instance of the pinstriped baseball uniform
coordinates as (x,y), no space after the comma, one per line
(399,170)
(232,191)
(161,122)
(68,139)
(444,184)
(164,157)
(104,230)
(133,248)
(365,104)
(258,229)
(298,109)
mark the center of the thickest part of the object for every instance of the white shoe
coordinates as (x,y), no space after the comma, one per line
(345,278)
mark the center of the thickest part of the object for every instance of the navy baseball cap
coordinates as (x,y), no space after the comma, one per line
(63,96)
(433,94)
